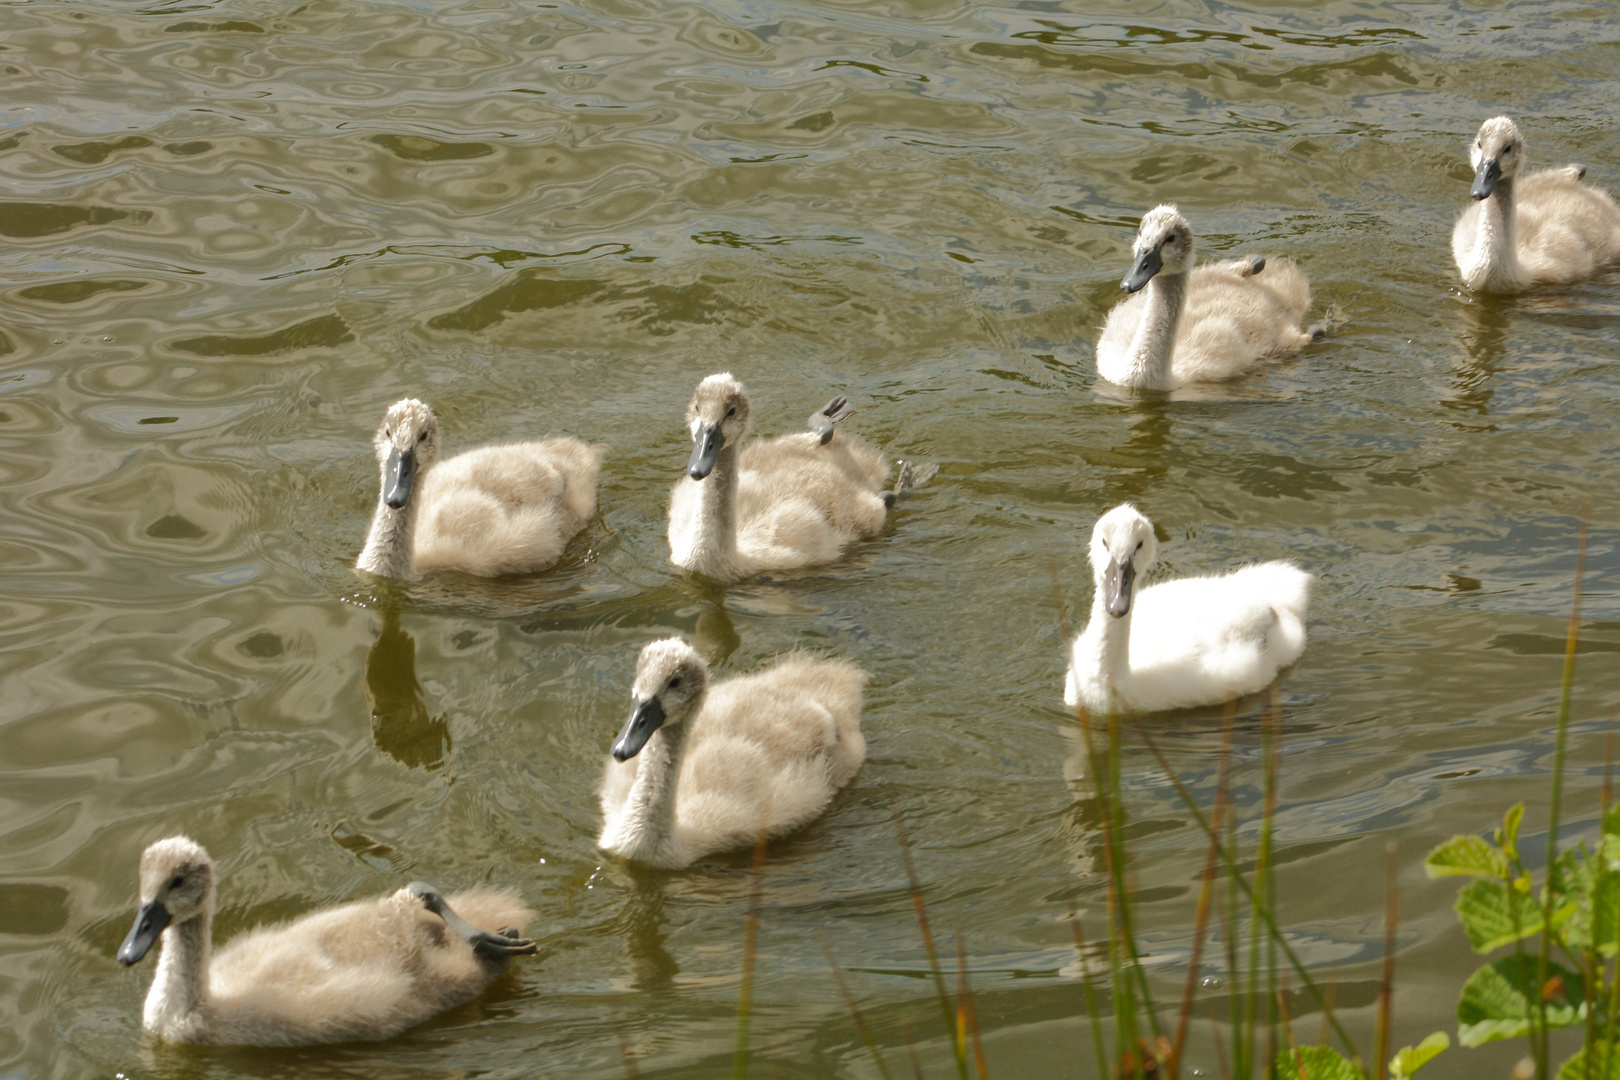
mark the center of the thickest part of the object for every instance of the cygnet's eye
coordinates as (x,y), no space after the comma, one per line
(732,411)
(1139,545)
(675,682)
(388,433)
(177,882)
(422,437)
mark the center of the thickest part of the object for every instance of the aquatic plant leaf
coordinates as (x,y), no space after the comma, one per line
(1605,1063)
(1466,855)
(1409,1059)
(1507,838)
(1495,915)
(1314,1063)
(1611,820)
(1496,1000)
(1606,914)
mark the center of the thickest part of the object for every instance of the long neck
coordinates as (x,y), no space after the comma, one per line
(650,810)
(1155,338)
(1498,236)
(180,988)
(715,550)
(1109,640)
(390,546)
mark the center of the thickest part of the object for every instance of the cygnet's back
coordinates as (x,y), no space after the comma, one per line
(799,502)
(508,508)
(366,970)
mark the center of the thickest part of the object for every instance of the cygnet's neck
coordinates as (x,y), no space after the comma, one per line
(390,545)
(1496,254)
(1108,639)
(179,991)
(714,549)
(649,811)
(1155,339)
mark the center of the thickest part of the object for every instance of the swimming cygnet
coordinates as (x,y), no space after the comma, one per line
(1206,324)
(792,501)
(505,509)
(698,770)
(1547,227)
(363,971)
(1193,641)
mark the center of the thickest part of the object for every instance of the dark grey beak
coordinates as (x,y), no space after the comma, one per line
(149,923)
(1147,264)
(707,449)
(1485,178)
(646,718)
(1117,584)
(400,476)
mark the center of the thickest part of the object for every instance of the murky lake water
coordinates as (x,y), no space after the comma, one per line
(231,233)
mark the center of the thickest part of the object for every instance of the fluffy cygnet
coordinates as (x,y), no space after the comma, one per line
(1193,641)
(1546,228)
(503,509)
(792,501)
(698,770)
(1186,325)
(362,971)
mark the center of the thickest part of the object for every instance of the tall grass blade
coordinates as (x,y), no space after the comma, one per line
(1386,979)
(1097,1041)
(966,1016)
(946,1012)
(1571,644)
(630,1070)
(855,1012)
(745,992)
(1206,894)
(1231,864)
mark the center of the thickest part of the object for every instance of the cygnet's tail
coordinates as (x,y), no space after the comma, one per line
(834,412)
(912,477)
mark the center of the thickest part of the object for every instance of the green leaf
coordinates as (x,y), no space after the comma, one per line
(1605,1063)
(1468,855)
(1509,839)
(1606,914)
(1314,1063)
(1496,1000)
(1409,1059)
(1495,916)
(1611,820)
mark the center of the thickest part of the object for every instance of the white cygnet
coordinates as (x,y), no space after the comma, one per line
(1203,324)
(698,769)
(363,971)
(504,509)
(1539,228)
(792,501)
(1193,641)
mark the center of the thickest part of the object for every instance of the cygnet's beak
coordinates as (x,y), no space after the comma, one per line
(399,476)
(1147,264)
(709,441)
(646,718)
(1117,582)
(1485,178)
(149,923)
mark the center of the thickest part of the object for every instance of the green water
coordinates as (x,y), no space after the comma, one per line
(231,233)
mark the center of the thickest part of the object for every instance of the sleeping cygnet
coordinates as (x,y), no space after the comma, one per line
(361,971)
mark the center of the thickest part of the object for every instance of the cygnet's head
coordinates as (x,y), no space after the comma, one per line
(1122,546)
(1497,154)
(407,442)
(717,416)
(177,883)
(670,680)
(1164,241)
